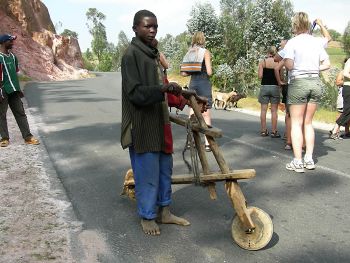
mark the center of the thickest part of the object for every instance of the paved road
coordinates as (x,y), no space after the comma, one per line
(310,211)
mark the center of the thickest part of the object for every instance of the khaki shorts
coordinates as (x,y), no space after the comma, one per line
(301,91)
(269,93)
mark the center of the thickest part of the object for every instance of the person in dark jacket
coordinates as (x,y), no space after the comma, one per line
(11,94)
(146,129)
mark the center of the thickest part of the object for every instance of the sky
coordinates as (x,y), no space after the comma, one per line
(172,15)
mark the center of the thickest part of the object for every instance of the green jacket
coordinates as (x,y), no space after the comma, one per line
(144,109)
(8,73)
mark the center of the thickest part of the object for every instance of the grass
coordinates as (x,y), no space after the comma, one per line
(337,56)
(321,115)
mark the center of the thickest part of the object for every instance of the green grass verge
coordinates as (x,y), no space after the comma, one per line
(336,56)
(321,115)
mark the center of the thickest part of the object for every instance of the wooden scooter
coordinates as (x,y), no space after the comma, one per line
(251,228)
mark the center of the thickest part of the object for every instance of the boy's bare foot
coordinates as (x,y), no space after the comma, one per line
(165,217)
(150,227)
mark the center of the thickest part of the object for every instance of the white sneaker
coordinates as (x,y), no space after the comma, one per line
(293,166)
(309,164)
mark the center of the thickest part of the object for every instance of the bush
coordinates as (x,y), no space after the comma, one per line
(346,40)
(223,78)
(330,94)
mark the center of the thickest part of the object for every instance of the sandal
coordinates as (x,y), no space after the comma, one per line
(335,136)
(4,142)
(264,133)
(288,146)
(207,148)
(275,134)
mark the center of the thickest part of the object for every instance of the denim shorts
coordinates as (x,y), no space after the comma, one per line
(301,91)
(201,84)
(269,93)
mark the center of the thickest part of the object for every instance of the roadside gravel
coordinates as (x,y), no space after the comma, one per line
(36,220)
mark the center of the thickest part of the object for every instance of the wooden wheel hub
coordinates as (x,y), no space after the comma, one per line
(259,237)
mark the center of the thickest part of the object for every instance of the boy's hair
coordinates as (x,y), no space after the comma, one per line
(300,23)
(140,15)
(198,38)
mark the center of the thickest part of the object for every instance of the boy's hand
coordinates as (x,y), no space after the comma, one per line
(172,88)
(203,103)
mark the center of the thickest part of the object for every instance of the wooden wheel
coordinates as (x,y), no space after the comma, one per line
(259,237)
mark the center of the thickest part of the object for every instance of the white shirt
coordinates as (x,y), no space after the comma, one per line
(306,51)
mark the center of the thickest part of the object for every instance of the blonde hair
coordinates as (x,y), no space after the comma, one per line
(198,39)
(272,50)
(300,23)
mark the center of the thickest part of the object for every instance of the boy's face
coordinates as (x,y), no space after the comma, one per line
(7,44)
(146,30)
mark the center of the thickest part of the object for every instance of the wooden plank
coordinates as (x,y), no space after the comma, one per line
(233,175)
(205,164)
(211,131)
(188,179)
(239,204)
(197,112)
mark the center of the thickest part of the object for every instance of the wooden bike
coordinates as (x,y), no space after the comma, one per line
(251,228)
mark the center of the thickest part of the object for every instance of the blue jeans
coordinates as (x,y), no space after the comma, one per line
(152,174)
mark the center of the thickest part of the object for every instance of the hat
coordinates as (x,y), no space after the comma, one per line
(6,37)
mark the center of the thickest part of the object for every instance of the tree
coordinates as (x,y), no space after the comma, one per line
(224,77)
(174,48)
(98,31)
(234,22)
(281,14)
(267,25)
(203,18)
(69,33)
(336,36)
(346,39)
(249,27)
(122,45)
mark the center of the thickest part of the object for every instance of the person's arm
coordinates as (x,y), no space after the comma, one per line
(324,30)
(277,58)
(163,61)
(288,63)
(325,64)
(339,81)
(346,72)
(278,73)
(260,70)
(207,59)
(324,58)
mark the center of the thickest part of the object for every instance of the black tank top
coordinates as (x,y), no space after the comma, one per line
(268,77)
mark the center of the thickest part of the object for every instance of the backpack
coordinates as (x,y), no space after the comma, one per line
(192,61)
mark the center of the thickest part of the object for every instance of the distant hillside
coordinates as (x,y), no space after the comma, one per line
(43,55)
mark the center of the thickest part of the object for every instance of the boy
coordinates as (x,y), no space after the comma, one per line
(146,129)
